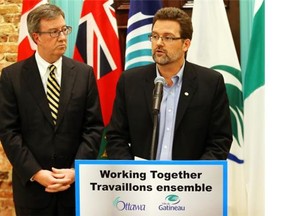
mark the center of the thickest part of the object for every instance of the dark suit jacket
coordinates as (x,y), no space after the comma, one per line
(202,128)
(29,138)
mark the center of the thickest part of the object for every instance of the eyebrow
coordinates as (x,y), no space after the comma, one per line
(164,34)
(51,29)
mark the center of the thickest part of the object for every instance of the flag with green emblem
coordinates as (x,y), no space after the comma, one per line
(213,47)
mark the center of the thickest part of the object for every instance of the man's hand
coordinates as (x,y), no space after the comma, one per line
(55,180)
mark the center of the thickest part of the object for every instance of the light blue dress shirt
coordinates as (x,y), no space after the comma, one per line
(167,116)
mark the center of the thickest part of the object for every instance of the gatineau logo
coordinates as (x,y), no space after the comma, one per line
(127,206)
(172,199)
(171,203)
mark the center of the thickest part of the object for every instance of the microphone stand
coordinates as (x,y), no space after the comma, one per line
(154,133)
(157,98)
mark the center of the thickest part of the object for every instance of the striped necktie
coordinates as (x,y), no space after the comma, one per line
(53,92)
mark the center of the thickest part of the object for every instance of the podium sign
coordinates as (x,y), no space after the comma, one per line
(151,188)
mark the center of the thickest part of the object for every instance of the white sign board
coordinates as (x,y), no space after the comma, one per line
(151,188)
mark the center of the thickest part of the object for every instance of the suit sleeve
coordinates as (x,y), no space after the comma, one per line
(118,130)
(220,131)
(19,155)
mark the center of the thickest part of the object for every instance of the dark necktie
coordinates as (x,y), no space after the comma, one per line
(53,93)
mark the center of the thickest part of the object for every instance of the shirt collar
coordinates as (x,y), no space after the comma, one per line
(176,78)
(43,65)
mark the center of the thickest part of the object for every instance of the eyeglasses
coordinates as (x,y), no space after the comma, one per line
(56,33)
(165,39)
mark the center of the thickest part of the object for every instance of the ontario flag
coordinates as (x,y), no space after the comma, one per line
(26,46)
(97,45)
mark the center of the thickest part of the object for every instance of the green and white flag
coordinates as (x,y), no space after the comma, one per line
(253,90)
(213,47)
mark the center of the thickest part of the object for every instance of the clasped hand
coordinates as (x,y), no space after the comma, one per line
(56,180)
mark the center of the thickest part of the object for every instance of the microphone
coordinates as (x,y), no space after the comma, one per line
(157,94)
(157,98)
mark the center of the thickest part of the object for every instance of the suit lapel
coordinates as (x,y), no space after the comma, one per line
(67,83)
(189,87)
(149,86)
(34,84)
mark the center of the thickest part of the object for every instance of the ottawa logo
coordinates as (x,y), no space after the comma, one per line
(127,206)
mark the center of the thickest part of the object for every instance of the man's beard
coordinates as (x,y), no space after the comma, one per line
(163,60)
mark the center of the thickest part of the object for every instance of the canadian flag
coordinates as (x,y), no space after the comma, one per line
(26,46)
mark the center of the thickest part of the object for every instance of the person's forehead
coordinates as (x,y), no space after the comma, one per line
(166,26)
(52,23)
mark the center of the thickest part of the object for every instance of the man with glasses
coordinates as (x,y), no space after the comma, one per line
(194,118)
(49,116)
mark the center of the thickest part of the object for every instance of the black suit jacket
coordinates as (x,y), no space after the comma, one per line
(202,127)
(29,138)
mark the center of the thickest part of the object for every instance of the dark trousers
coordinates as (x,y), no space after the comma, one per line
(53,209)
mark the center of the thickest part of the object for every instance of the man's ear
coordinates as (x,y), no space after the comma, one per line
(35,37)
(186,45)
